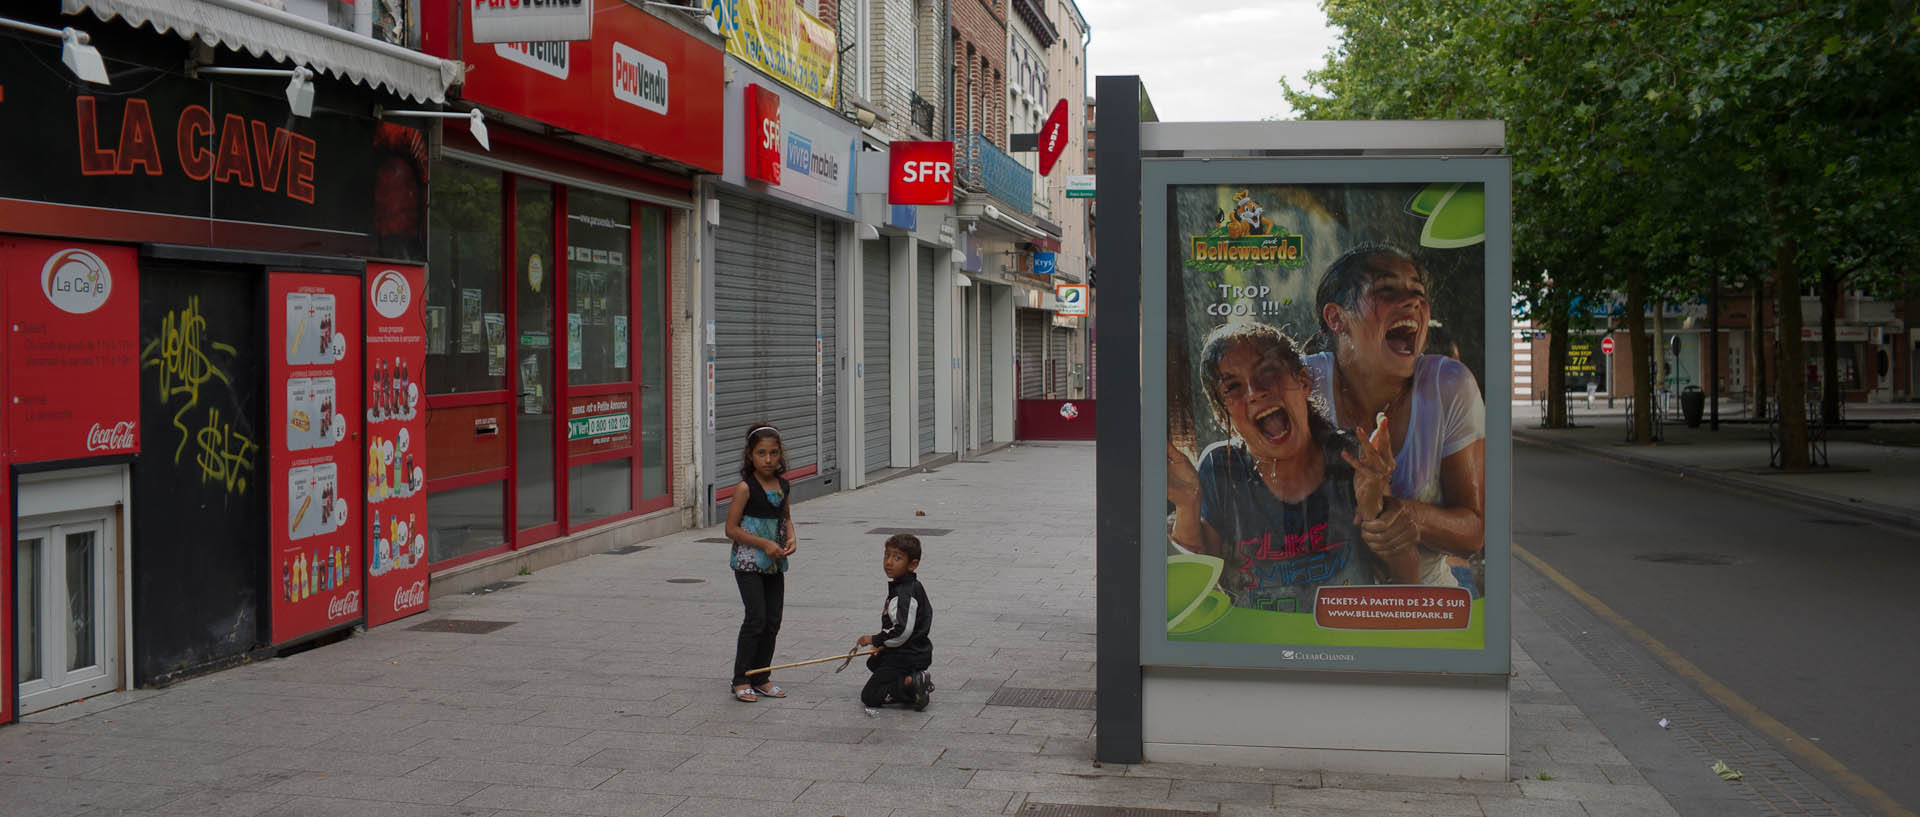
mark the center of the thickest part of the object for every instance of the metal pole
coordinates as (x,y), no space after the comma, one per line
(1713,356)
(1119,716)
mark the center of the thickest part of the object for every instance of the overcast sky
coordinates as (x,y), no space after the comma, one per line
(1219,60)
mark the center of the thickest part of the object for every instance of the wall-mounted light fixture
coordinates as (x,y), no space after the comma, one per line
(705,14)
(76,51)
(299,84)
(475,122)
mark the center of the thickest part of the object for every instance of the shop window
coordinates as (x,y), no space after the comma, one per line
(599,269)
(599,490)
(464,521)
(654,354)
(534,285)
(464,294)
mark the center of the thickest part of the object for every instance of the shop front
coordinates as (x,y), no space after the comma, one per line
(188,274)
(555,266)
(779,338)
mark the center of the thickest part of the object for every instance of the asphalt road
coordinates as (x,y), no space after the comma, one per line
(1812,617)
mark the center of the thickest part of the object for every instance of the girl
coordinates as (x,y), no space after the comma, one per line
(1374,322)
(761,526)
(1289,502)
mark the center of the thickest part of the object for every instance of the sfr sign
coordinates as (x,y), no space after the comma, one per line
(920,173)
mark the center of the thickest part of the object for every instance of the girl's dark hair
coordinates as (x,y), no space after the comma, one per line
(762,431)
(1347,277)
(1270,341)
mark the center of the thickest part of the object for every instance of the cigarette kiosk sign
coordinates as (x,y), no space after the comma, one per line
(501,21)
(920,173)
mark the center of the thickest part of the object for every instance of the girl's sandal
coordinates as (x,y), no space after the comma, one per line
(745,695)
(771,691)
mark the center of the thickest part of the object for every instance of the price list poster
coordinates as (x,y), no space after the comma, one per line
(314,577)
(396,515)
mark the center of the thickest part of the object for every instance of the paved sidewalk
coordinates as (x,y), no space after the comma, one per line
(605,693)
(1874,464)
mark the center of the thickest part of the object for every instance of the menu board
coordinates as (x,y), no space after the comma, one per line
(314,567)
(396,534)
(72,350)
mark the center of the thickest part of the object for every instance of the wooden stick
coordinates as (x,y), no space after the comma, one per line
(849,656)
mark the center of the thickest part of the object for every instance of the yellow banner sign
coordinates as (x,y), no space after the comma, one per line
(783,41)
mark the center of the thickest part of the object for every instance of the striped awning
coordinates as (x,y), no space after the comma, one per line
(244,25)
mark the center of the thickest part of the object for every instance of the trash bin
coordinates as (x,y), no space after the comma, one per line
(1693,401)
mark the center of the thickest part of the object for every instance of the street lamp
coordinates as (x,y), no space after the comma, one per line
(76,52)
(299,87)
(475,122)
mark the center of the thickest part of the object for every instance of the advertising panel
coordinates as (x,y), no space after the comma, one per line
(763,134)
(1325,465)
(73,356)
(313,374)
(1584,366)
(599,423)
(784,42)
(816,154)
(920,173)
(496,21)
(638,82)
(396,534)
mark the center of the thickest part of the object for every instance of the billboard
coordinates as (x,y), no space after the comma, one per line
(1322,497)
(781,40)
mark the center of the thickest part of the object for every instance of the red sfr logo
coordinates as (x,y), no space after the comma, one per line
(920,173)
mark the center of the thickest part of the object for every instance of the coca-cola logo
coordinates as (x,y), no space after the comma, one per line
(117,438)
(76,281)
(413,595)
(343,606)
(391,294)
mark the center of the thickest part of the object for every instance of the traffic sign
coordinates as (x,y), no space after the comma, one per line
(1606,346)
(1080,187)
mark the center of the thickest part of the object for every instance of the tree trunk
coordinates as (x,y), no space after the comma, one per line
(1659,344)
(1637,340)
(1829,348)
(1557,359)
(1759,353)
(1792,373)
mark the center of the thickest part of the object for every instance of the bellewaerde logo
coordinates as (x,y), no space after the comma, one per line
(117,438)
(391,294)
(77,281)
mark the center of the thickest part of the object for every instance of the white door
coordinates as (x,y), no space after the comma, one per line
(66,595)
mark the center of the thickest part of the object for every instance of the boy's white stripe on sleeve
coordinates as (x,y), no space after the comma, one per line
(906,624)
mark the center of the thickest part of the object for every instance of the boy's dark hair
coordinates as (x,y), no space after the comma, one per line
(761,431)
(907,543)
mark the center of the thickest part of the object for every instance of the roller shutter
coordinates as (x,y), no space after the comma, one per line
(876,294)
(923,356)
(766,318)
(1057,368)
(829,344)
(1032,334)
(986,367)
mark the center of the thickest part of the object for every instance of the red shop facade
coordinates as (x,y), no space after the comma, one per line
(198,283)
(557,266)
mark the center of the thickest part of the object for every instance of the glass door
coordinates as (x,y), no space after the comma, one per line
(66,637)
(535,287)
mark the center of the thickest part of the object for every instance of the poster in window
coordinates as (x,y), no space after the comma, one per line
(1311,416)
(436,330)
(471,304)
(496,325)
(575,361)
(394,536)
(619,341)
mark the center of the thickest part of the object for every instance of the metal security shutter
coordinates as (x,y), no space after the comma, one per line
(875,297)
(986,367)
(1033,332)
(1057,368)
(828,338)
(923,357)
(764,328)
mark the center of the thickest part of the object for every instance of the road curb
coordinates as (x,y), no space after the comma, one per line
(1874,511)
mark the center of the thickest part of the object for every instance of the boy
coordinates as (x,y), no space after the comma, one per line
(900,667)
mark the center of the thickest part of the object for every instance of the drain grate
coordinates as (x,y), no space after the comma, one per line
(626,550)
(715,540)
(910,531)
(685,581)
(467,626)
(1069,810)
(1697,559)
(1041,698)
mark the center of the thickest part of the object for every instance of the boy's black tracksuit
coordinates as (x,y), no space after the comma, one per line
(905,622)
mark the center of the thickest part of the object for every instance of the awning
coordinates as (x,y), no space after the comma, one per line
(260,30)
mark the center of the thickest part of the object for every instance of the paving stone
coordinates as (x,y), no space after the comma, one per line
(793,766)
(767,785)
(222,803)
(1140,789)
(310,806)
(380,789)
(525,774)
(1380,802)
(921,797)
(569,801)
(725,807)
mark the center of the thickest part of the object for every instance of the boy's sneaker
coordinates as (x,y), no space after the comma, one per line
(922,690)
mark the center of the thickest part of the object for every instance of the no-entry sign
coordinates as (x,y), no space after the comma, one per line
(1606,346)
(920,173)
